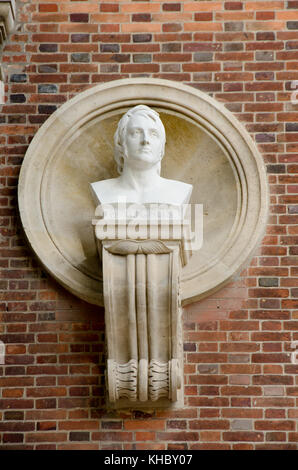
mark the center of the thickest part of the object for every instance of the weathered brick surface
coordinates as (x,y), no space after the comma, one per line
(240,384)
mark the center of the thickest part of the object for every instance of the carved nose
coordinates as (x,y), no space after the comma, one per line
(145,139)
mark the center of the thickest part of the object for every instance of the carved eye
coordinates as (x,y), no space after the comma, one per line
(134,132)
(154,133)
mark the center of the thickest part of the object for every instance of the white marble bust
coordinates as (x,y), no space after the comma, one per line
(139,148)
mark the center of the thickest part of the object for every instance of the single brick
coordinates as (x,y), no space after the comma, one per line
(14,415)
(80,57)
(277,425)
(189,347)
(79,17)
(111,424)
(292,24)
(242,425)
(268,282)
(292,45)
(79,436)
(276,436)
(238,358)
(109,48)
(293,210)
(13,437)
(177,424)
(80,37)
(15,370)
(121,58)
(177,436)
(46,108)
(141,17)
(265,36)
(176,68)
(203,56)
(48,316)
(48,8)
(265,15)
(18,98)
(233,46)
(51,68)
(48,47)
(208,368)
(171,6)
(276,169)
(264,76)
(292,4)
(109,8)
(234,26)
(171,27)
(18,78)
(203,16)
(47,426)
(47,88)
(142,58)
(17,338)
(233,5)
(142,37)
(273,391)
(79,78)
(171,47)
(109,68)
(37,119)
(265,138)
(243,436)
(264,56)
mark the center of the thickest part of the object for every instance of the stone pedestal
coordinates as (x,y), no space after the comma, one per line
(142,312)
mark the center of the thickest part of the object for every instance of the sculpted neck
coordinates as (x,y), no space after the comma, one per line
(139,178)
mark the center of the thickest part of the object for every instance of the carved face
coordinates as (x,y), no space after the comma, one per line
(143,142)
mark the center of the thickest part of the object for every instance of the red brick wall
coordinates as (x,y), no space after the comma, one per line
(240,384)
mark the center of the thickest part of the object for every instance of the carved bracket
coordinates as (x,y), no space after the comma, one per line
(143,320)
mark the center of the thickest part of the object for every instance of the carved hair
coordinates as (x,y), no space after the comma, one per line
(119,137)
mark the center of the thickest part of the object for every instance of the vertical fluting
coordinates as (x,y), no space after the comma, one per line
(152,308)
(131,301)
(141,303)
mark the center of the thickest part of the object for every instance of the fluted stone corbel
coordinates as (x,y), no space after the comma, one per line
(143,320)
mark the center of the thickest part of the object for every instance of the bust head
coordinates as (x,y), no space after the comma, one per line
(139,148)
(140,137)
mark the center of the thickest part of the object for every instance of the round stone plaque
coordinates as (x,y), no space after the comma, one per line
(206,147)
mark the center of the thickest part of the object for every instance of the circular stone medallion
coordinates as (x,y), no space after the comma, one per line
(206,147)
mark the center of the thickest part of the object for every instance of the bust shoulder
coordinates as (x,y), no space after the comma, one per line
(102,191)
(166,192)
(177,192)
